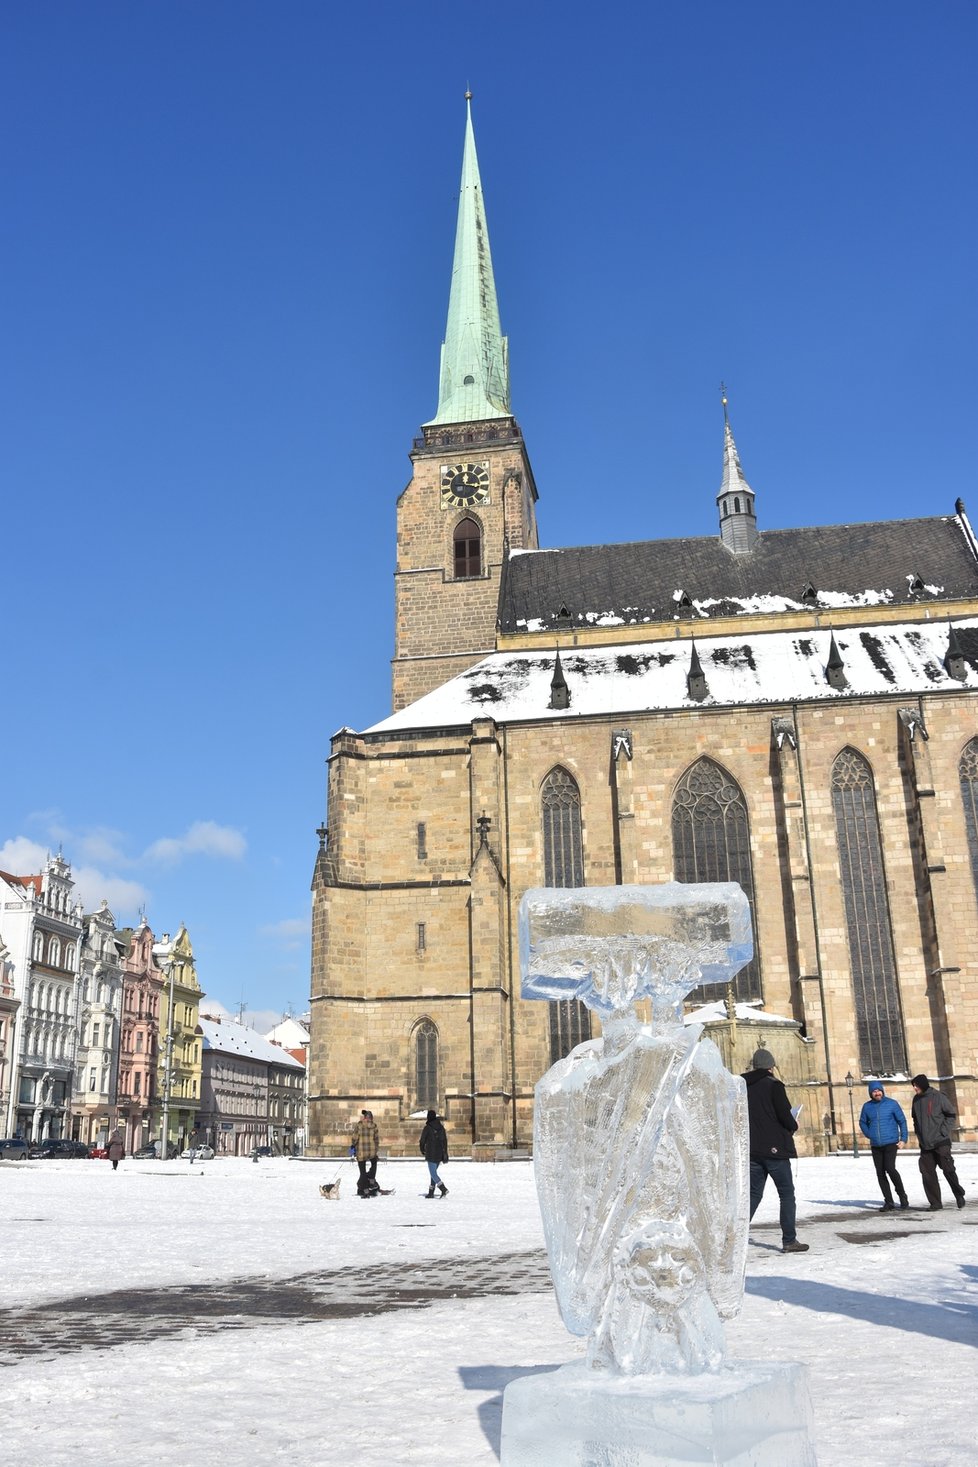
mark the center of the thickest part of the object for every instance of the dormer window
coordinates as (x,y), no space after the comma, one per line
(809,594)
(916,586)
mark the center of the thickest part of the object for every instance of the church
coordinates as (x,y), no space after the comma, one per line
(795,710)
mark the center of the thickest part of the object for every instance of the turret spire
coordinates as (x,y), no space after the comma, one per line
(475,355)
(738,525)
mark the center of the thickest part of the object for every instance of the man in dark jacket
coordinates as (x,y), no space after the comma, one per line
(884,1125)
(433,1144)
(932,1116)
(772,1127)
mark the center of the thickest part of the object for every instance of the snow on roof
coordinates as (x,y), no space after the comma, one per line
(229,1037)
(289,1033)
(905,658)
(712,1013)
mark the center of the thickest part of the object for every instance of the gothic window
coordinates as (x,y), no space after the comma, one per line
(711,842)
(879,1025)
(70,956)
(563,865)
(38,948)
(426,1065)
(54,953)
(468,550)
(968,774)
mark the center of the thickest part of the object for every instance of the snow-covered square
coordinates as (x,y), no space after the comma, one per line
(225,1312)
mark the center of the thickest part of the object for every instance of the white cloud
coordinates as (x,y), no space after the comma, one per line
(261,1020)
(104,846)
(124,897)
(203,838)
(23,857)
(291,930)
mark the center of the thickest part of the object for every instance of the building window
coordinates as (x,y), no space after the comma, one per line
(38,948)
(139,1042)
(968,773)
(137,1083)
(426,1065)
(563,865)
(91,1079)
(54,953)
(711,842)
(95,1033)
(468,550)
(421,937)
(422,841)
(879,1024)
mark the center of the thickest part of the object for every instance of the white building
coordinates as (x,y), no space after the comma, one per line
(99,1016)
(42,929)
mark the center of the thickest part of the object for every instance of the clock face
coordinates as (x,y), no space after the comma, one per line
(464,484)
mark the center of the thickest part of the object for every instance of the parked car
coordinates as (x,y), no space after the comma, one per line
(13,1148)
(262,1151)
(198,1153)
(52,1149)
(151,1151)
(98,1153)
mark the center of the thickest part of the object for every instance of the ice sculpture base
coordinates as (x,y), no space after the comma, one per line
(747,1414)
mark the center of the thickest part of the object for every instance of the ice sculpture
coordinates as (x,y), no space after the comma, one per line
(640,1154)
(640,1137)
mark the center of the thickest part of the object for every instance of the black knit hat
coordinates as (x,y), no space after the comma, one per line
(921,1082)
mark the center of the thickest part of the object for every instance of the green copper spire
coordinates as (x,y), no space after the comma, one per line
(475,354)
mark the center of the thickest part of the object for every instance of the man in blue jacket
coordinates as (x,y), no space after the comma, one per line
(884,1125)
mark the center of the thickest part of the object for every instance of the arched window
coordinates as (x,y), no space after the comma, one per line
(54,953)
(879,1024)
(468,550)
(563,865)
(711,842)
(38,947)
(70,955)
(426,1065)
(968,774)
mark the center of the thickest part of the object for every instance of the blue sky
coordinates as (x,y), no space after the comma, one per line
(225,257)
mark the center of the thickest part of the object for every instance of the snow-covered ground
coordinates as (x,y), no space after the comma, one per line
(888,1329)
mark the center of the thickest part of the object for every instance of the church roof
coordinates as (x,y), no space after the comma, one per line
(884,562)
(757,668)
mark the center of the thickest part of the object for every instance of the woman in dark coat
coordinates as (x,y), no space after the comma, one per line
(434,1149)
(116,1148)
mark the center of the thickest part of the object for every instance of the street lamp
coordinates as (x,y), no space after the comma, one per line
(167,1067)
(852,1114)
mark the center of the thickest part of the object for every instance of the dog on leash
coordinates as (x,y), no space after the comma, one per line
(331,1190)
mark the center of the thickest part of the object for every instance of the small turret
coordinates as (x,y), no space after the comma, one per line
(738,525)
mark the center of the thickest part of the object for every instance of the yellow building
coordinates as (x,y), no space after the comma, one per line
(179,1069)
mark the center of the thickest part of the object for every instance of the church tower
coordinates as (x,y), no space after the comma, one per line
(472,493)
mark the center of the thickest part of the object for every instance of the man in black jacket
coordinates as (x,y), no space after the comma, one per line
(772,1127)
(932,1115)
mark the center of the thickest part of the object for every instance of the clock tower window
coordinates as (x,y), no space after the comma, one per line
(468,549)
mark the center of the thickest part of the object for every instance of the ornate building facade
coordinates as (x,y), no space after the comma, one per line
(796,710)
(139,1046)
(42,927)
(178,1071)
(100,984)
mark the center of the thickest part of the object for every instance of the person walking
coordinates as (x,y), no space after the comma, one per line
(116,1148)
(932,1116)
(366,1144)
(433,1144)
(772,1147)
(884,1125)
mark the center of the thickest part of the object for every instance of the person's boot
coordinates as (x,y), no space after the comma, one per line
(904,1203)
(887,1207)
(443,1189)
(794,1247)
(960,1199)
(431,1191)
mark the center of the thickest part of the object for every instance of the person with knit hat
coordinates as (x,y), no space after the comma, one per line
(772,1147)
(433,1144)
(932,1115)
(884,1125)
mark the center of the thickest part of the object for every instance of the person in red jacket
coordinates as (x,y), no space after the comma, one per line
(772,1128)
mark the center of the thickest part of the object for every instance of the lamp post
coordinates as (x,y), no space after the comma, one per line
(852,1114)
(167,1067)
